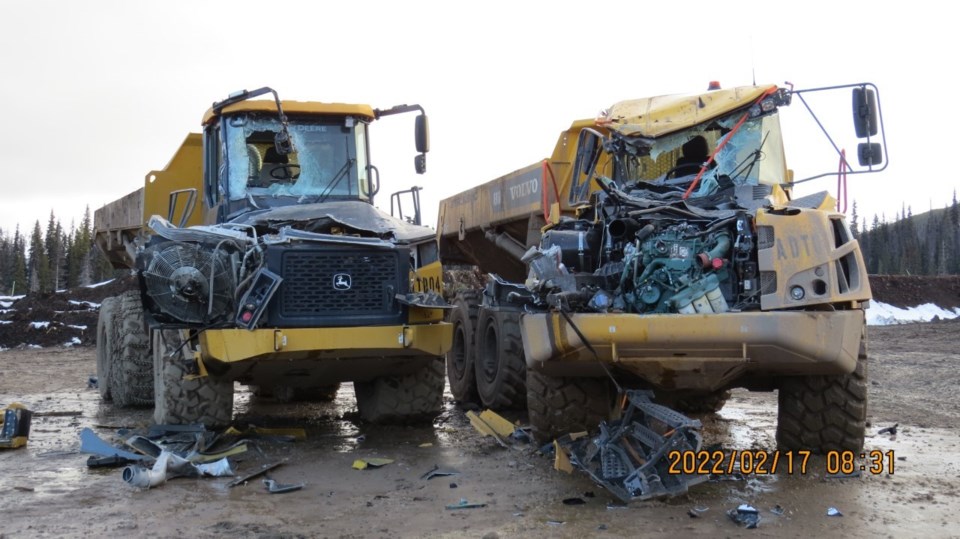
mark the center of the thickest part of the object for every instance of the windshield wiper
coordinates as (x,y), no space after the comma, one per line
(745,167)
(336,180)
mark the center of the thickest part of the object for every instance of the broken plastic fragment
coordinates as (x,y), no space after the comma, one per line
(362,464)
(745,515)
(91,443)
(561,461)
(777,510)
(437,472)
(834,512)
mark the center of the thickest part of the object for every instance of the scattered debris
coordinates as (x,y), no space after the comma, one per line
(437,472)
(561,461)
(263,469)
(574,501)
(15,426)
(778,510)
(425,444)
(695,512)
(464,504)
(113,461)
(279,434)
(91,443)
(555,522)
(628,456)
(363,464)
(745,515)
(602,527)
(453,485)
(92,382)
(489,423)
(277,488)
(169,465)
(892,431)
(834,512)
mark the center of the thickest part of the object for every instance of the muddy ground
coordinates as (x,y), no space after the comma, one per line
(47,491)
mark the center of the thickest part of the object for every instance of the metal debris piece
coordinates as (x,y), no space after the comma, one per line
(464,504)
(695,512)
(490,423)
(574,501)
(745,515)
(169,465)
(778,510)
(91,443)
(277,488)
(889,430)
(834,512)
(263,469)
(113,461)
(628,457)
(437,472)
(555,522)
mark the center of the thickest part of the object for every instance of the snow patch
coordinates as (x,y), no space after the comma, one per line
(95,285)
(11,298)
(39,325)
(5,304)
(87,304)
(81,328)
(72,342)
(5,322)
(882,314)
(34,347)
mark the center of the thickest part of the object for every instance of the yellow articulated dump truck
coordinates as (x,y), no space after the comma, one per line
(261,259)
(661,248)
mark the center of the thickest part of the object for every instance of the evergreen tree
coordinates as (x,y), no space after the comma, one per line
(39,265)
(854,226)
(18,282)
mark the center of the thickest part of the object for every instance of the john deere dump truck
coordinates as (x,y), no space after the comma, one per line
(261,259)
(660,247)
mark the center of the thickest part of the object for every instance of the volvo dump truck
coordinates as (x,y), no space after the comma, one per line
(661,247)
(261,258)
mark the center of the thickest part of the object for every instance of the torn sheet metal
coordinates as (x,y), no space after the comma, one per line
(629,456)
(279,488)
(355,215)
(363,464)
(91,443)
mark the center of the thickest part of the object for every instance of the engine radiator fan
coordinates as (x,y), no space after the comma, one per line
(189,283)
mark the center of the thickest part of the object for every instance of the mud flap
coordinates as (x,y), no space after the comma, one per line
(630,455)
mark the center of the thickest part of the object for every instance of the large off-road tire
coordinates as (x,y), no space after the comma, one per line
(460,358)
(558,406)
(207,400)
(107,345)
(824,413)
(693,403)
(402,399)
(499,364)
(131,372)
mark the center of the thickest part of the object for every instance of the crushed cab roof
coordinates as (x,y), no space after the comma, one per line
(657,116)
(293,107)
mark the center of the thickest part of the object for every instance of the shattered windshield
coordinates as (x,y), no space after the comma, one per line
(750,154)
(325,162)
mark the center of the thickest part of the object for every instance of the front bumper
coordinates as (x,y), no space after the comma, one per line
(694,351)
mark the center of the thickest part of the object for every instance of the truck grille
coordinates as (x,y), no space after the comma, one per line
(337,288)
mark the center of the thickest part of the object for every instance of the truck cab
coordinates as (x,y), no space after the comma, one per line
(262,259)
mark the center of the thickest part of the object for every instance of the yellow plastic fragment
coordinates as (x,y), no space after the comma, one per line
(363,464)
(561,461)
(489,423)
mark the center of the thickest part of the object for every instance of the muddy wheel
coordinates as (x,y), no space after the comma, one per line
(207,400)
(693,403)
(131,372)
(500,366)
(558,406)
(402,399)
(824,413)
(106,345)
(460,358)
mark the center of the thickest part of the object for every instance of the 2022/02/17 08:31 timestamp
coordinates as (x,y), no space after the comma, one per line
(761,462)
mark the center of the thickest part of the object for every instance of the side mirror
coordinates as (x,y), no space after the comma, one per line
(869,154)
(865,112)
(422,134)
(588,152)
(420,163)
(283,143)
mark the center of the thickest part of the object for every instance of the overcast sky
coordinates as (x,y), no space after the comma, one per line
(98,93)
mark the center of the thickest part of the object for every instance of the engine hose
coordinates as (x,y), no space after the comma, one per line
(722,247)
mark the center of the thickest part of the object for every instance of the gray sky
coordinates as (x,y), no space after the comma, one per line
(98,93)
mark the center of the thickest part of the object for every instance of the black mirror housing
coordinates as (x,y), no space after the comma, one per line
(422,134)
(420,163)
(865,112)
(870,154)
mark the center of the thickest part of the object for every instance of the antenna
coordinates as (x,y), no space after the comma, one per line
(753,67)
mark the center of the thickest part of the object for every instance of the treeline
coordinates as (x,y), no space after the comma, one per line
(55,259)
(924,244)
